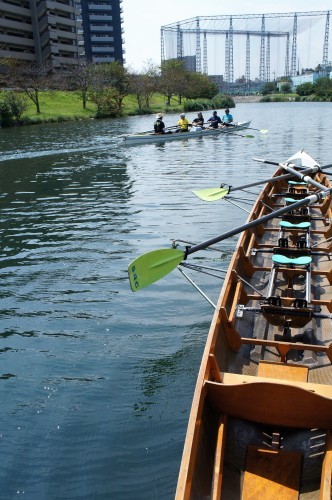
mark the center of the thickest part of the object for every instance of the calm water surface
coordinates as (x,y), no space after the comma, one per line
(96,382)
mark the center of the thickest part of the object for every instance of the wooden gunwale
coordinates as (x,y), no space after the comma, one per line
(223,333)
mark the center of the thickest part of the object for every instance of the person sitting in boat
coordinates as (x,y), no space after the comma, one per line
(183,123)
(159,125)
(215,120)
(197,123)
(227,118)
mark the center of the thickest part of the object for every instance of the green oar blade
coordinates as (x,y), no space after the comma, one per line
(263,131)
(211,194)
(152,266)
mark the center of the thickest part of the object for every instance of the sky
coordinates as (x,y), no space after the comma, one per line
(144,18)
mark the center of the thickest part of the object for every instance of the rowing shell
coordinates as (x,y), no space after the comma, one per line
(261,419)
(134,139)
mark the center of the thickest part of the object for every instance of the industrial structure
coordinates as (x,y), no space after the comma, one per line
(264,46)
(60,32)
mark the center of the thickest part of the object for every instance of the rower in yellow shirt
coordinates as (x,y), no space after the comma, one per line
(183,123)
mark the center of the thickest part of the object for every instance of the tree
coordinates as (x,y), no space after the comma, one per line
(199,85)
(30,78)
(114,75)
(323,87)
(286,88)
(12,106)
(144,85)
(105,100)
(305,89)
(269,88)
(83,78)
(173,79)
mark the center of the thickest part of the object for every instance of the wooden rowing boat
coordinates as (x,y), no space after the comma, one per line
(147,138)
(261,419)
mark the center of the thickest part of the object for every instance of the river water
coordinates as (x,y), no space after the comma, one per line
(96,381)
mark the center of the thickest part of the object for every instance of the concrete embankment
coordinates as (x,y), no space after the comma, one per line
(246,98)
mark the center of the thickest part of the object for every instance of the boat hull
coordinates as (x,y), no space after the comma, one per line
(135,139)
(264,389)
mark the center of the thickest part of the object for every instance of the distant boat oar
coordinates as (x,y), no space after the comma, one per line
(152,266)
(247,136)
(262,131)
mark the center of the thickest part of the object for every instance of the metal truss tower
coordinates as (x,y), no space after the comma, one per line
(205,58)
(226,59)
(262,55)
(294,44)
(162,45)
(179,43)
(248,62)
(287,57)
(268,58)
(230,47)
(326,43)
(198,47)
(184,39)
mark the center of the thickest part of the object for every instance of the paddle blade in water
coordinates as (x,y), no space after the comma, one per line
(211,194)
(152,266)
(263,131)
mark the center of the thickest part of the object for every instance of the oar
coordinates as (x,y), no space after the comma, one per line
(152,266)
(214,194)
(262,131)
(288,166)
(248,136)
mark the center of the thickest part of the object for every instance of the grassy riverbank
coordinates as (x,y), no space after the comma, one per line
(59,106)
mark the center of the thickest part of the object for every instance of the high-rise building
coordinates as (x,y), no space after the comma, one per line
(59,32)
(40,31)
(102,30)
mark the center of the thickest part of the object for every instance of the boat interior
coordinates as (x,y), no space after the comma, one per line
(264,416)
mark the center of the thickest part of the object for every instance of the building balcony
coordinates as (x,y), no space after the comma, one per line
(17,41)
(20,26)
(102,39)
(22,56)
(103,59)
(100,50)
(7,8)
(100,18)
(101,29)
(53,6)
(104,8)
(59,21)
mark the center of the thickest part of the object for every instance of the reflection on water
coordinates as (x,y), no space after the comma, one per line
(97,381)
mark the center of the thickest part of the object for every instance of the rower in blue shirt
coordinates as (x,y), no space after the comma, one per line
(215,120)
(227,118)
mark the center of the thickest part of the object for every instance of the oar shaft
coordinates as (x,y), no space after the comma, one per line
(306,170)
(274,179)
(305,201)
(304,178)
(265,181)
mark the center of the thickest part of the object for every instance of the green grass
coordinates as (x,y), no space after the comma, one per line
(58,106)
